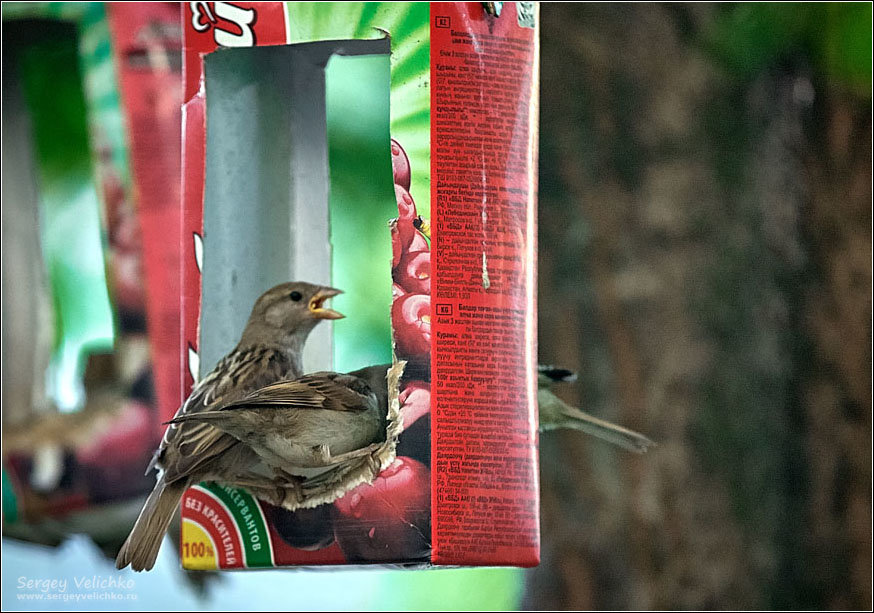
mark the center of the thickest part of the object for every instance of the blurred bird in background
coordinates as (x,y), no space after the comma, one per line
(555,414)
(269,350)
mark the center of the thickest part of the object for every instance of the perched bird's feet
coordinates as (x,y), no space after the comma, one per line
(291,492)
(288,486)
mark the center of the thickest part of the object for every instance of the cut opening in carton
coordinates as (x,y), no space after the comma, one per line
(298,187)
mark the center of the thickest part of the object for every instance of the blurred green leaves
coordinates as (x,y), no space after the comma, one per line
(844,44)
(361,201)
(455,589)
(835,37)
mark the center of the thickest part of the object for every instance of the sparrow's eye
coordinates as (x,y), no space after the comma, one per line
(296,296)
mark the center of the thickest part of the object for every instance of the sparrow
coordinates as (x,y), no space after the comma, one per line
(555,413)
(300,427)
(269,350)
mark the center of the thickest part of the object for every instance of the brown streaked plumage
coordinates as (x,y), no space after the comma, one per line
(308,422)
(269,350)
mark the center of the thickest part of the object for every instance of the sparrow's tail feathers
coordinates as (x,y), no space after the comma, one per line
(140,550)
(579,420)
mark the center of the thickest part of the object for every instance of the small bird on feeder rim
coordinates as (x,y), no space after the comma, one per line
(269,350)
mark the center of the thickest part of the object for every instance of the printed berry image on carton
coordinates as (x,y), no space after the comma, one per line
(387,150)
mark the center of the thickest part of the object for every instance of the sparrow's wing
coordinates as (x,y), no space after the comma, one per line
(325,390)
(189,446)
(341,392)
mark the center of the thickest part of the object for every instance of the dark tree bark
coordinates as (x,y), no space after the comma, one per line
(705,264)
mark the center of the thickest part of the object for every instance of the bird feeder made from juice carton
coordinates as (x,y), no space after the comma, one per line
(410,184)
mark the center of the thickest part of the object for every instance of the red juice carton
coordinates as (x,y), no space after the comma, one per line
(276,188)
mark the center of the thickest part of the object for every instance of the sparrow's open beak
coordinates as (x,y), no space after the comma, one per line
(317,302)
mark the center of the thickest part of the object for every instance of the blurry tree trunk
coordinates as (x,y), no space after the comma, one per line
(705,246)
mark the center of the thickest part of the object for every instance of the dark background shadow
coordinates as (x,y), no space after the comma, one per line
(705,264)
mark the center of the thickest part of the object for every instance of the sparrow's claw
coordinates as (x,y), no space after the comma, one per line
(294,489)
(287,484)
